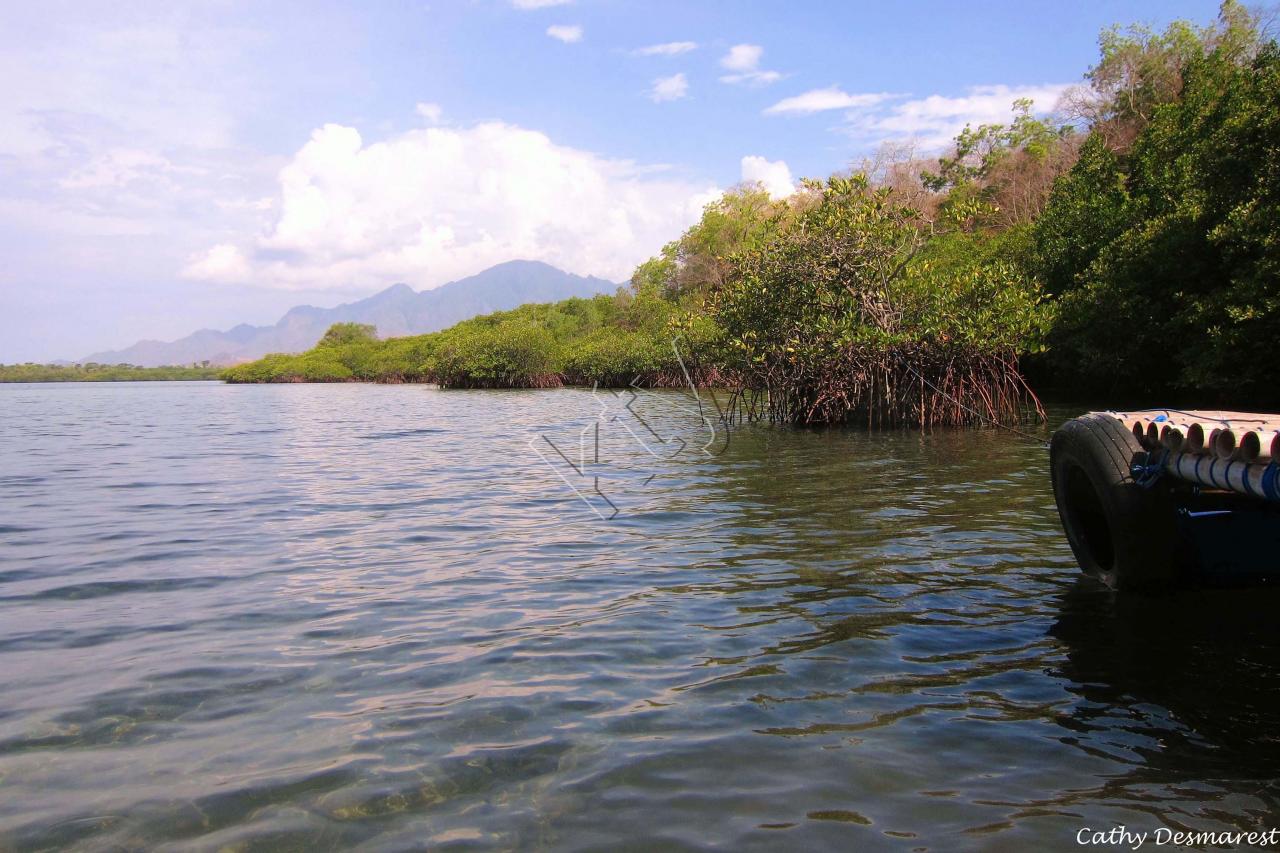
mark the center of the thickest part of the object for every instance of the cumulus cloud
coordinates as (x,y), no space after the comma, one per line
(743,61)
(742,57)
(671,88)
(430,112)
(435,204)
(223,262)
(567,33)
(671,48)
(528,5)
(818,100)
(773,175)
(934,121)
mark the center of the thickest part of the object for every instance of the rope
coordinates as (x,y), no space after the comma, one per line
(1194,416)
(1146,475)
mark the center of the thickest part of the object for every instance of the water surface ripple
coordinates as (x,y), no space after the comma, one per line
(347,616)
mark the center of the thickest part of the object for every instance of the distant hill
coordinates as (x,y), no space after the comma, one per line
(398,310)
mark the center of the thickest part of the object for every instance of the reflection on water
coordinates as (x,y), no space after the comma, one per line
(331,616)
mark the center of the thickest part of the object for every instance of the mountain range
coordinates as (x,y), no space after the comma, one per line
(398,310)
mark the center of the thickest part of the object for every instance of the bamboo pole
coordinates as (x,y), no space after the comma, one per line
(1172,437)
(1195,438)
(1153,434)
(1224,443)
(1256,480)
(1258,446)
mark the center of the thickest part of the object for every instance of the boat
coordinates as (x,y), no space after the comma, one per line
(1163,497)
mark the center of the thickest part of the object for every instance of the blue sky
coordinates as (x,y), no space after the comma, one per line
(167,166)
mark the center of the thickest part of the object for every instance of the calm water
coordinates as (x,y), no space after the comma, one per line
(366,616)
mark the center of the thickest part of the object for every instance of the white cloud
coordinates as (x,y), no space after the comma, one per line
(124,122)
(116,168)
(435,204)
(223,262)
(430,112)
(567,33)
(671,88)
(87,83)
(671,48)
(934,121)
(527,5)
(755,78)
(744,60)
(742,57)
(773,175)
(830,98)
(259,204)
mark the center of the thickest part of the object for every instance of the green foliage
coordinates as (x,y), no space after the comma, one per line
(978,153)
(347,352)
(92,372)
(824,282)
(605,339)
(316,368)
(755,287)
(1166,257)
(510,353)
(317,365)
(1136,251)
(342,334)
(1000,175)
(970,290)
(695,266)
(269,368)
(1140,70)
(399,360)
(833,315)
(616,358)
(1086,210)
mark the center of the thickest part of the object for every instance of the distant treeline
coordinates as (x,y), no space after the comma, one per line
(102,373)
(610,340)
(1127,248)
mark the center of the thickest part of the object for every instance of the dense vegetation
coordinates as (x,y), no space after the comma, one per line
(1127,247)
(847,309)
(1163,243)
(92,372)
(611,340)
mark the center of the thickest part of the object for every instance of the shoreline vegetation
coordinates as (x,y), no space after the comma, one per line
(93,372)
(1126,245)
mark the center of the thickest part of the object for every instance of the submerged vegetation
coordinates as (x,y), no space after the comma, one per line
(91,372)
(1129,245)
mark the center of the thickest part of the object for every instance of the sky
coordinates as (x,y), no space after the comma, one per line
(170,166)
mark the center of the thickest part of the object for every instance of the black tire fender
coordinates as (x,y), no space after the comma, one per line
(1123,534)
